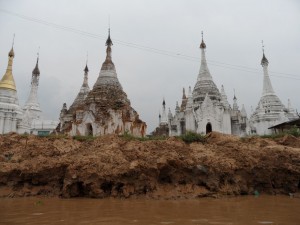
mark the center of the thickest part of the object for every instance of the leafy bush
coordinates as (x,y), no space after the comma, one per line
(190,137)
(295,131)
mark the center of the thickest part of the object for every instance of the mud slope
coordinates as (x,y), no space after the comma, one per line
(110,166)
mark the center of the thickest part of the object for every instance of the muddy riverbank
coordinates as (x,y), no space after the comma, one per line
(111,166)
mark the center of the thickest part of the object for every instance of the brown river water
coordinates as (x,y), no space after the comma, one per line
(230,211)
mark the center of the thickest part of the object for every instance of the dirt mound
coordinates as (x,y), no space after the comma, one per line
(219,138)
(111,166)
(289,140)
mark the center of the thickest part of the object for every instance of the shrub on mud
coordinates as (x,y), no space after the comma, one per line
(190,137)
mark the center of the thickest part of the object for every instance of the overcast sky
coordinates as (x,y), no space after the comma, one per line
(233,31)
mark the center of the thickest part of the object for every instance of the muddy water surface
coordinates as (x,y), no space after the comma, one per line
(239,211)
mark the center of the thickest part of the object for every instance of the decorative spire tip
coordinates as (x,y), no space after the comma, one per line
(13,42)
(38,55)
(11,52)
(234,97)
(264,60)
(86,69)
(202,45)
(108,41)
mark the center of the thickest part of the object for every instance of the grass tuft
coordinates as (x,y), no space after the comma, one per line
(84,138)
(190,137)
(129,137)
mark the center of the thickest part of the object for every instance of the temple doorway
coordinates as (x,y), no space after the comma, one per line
(208,128)
(89,130)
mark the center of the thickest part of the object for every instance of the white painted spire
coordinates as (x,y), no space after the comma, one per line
(267,85)
(204,73)
(170,115)
(177,109)
(205,84)
(190,99)
(32,104)
(164,119)
(243,111)
(184,101)
(84,90)
(235,106)
(224,98)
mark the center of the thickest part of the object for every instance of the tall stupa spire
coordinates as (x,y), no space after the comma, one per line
(267,85)
(235,106)
(205,84)
(108,68)
(84,90)
(36,71)
(108,43)
(270,111)
(32,103)
(86,72)
(164,118)
(7,81)
(204,73)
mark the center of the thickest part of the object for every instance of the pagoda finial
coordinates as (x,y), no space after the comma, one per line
(264,60)
(234,97)
(36,70)
(11,52)
(202,45)
(108,41)
(13,42)
(86,69)
(108,21)
(38,54)
(235,106)
(183,94)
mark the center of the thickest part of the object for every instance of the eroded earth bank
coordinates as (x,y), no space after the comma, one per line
(111,166)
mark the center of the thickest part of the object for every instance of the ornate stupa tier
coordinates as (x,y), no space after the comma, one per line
(269,106)
(205,84)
